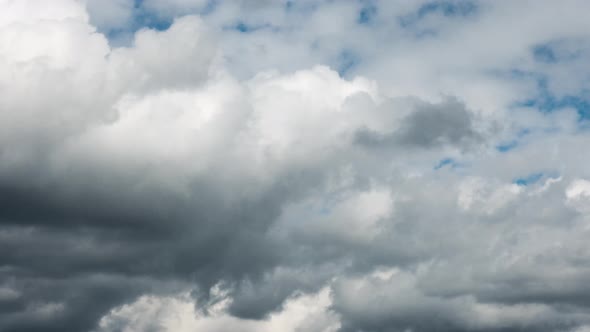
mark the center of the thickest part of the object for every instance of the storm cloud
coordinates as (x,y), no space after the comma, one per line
(294,166)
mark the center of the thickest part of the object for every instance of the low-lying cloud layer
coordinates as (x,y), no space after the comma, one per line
(294,166)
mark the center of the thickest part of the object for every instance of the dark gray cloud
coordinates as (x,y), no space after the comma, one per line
(428,126)
(148,171)
(63,247)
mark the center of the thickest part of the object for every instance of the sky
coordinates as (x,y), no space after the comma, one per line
(300,165)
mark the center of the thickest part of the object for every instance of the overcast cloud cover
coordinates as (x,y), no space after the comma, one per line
(307,165)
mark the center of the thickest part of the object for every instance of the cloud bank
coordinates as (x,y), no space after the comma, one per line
(294,166)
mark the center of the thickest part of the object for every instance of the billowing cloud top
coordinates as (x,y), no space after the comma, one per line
(252,165)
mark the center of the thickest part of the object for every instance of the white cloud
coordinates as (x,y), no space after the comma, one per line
(177,313)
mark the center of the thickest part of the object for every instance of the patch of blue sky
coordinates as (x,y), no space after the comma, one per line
(544,53)
(210,7)
(207,9)
(144,18)
(507,146)
(289,5)
(449,8)
(302,7)
(367,13)
(533,178)
(449,163)
(444,162)
(140,19)
(244,27)
(446,8)
(528,179)
(557,51)
(547,102)
(513,143)
(346,61)
(149,21)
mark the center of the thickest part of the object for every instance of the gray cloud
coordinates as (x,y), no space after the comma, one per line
(178,184)
(428,126)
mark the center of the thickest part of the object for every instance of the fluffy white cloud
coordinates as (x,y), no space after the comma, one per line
(177,313)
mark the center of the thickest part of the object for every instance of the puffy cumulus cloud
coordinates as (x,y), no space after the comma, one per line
(293,166)
(176,313)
